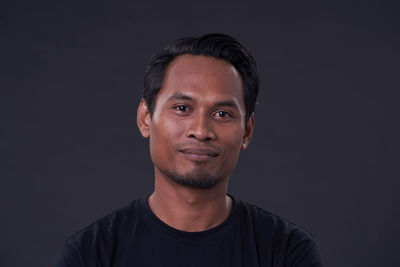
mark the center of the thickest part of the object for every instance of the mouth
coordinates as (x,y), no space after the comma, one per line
(198,154)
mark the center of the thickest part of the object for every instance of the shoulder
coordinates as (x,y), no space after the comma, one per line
(95,240)
(117,220)
(263,219)
(295,245)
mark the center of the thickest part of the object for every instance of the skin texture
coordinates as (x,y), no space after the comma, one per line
(196,133)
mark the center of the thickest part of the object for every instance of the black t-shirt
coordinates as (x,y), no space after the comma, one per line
(134,236)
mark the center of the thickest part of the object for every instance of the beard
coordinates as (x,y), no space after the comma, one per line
(196,178)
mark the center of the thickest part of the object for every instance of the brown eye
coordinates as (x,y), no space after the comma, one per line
(222,114)
(182,108)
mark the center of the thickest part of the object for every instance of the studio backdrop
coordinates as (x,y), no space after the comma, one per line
(325,149)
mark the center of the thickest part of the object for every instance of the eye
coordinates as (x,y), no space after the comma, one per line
(222,114)
(181,108)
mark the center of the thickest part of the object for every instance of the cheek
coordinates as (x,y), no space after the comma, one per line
(232,144)
(232,137)
(162,138)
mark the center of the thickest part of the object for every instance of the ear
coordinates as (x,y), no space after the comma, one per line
(143,118)
(248,132)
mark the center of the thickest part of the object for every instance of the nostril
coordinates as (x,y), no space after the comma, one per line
(201,128)
(202,136)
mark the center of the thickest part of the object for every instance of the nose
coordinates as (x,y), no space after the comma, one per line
(201,128)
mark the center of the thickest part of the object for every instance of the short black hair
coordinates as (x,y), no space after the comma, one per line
(215,45)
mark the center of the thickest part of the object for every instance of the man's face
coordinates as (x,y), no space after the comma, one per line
(198,124)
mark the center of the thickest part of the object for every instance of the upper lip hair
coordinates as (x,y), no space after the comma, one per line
(199,151)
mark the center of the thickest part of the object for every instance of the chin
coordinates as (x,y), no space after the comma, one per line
(195,179)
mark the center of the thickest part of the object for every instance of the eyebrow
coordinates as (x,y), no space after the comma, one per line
(228,103)
(180,96)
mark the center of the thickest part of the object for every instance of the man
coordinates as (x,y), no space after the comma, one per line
(197,111)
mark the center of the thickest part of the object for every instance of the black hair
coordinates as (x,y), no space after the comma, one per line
(215,45)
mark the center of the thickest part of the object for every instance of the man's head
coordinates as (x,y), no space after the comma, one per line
(196,109)
(215,45)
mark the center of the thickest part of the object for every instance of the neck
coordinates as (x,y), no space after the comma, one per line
(189,209)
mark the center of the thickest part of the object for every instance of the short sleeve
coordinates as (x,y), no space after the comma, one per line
(68,257)
(302,251)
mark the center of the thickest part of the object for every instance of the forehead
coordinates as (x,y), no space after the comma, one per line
(204,77)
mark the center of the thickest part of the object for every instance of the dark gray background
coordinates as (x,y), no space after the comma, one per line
(325,149)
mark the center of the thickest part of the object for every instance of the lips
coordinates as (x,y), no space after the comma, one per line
(198,154)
